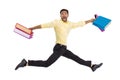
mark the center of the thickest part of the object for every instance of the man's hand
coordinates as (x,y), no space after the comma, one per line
(89,21)
(35,27)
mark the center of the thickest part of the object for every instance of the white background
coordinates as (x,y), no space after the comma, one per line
(87,42)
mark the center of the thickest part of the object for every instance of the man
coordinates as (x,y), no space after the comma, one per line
(62,28)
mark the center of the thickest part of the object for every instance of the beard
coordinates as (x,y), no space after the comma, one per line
(64,19)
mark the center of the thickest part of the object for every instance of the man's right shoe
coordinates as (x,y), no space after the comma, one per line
(21,64)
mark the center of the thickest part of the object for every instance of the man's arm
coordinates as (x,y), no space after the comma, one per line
(35,27)
(89,21)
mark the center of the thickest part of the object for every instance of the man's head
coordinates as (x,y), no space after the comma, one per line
(64,13)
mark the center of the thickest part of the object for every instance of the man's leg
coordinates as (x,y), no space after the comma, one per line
(74,57)
(57,52)
(77,59)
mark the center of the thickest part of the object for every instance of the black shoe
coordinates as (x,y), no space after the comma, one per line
(95,66)
(21,64)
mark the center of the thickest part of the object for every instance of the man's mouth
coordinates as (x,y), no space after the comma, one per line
(64,18)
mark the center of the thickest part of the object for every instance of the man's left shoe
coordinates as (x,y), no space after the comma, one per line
(21,64)
(95,66)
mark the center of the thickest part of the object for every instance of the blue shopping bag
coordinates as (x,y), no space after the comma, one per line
(101,22)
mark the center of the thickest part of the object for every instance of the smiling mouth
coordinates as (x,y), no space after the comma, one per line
(64,18)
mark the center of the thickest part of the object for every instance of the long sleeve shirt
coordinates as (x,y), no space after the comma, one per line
(62,29)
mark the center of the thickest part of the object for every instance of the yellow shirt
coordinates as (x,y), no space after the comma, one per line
(62,29)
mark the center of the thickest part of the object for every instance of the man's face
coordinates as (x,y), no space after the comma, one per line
(64,15)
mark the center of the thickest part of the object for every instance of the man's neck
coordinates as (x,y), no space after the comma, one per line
(65,21)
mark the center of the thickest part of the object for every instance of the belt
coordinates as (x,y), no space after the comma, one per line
(61,45)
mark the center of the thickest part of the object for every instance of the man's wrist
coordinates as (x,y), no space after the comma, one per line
(89,21)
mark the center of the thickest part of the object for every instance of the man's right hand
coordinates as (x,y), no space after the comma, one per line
(35,27)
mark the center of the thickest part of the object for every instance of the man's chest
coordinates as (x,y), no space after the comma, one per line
(63,26)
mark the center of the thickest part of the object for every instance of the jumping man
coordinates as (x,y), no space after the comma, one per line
(62,28)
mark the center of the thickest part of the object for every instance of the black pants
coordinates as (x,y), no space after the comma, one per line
(59,50)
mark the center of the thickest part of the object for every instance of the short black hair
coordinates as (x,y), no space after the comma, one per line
(64,10)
